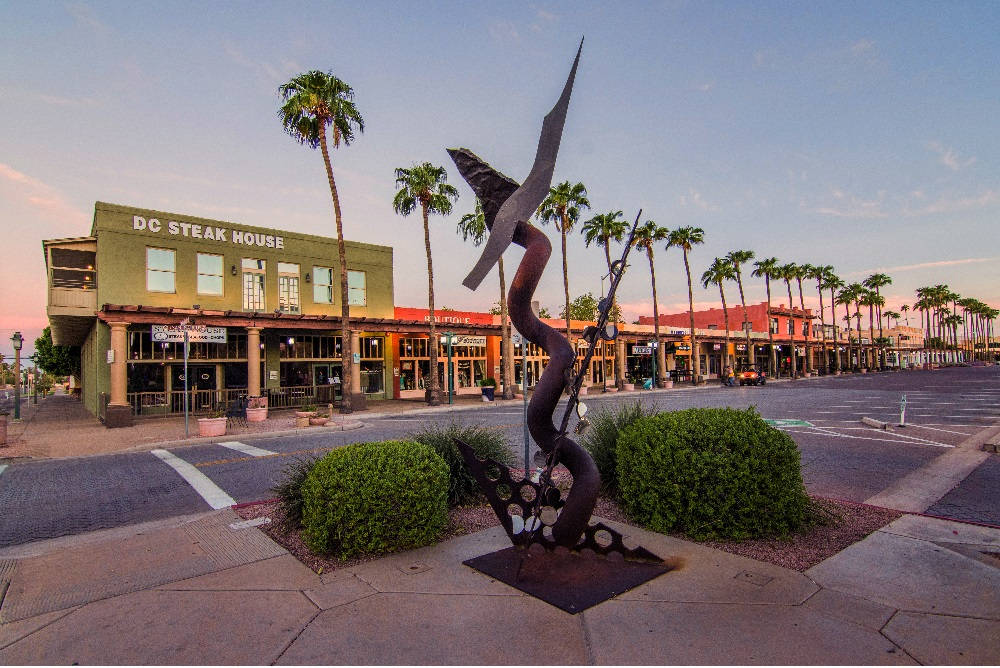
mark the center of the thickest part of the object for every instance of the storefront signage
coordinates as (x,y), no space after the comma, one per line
(642,350)
(209,232)
(469,341)
(196,334)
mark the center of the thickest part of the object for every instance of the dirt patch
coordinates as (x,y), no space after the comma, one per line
(846,523)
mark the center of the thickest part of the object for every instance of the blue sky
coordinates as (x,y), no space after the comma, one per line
(861,135)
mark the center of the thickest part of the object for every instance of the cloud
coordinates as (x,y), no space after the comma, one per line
(924,265)
(17,186)
(85,16)
(946,204)
(948,157)
(280,72)
(705,87)
(33,97)
(695,199)
(503,31)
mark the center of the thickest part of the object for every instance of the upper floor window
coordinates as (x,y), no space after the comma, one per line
(209,274)
(254,272)
(160,270)
(791,327)
(805,328)
(774,326)
(322,285)
(288,287)
(356,288)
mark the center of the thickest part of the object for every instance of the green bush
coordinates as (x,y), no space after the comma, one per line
(486,442)
(601,438)
(289,490)
(711,473)
(369,498)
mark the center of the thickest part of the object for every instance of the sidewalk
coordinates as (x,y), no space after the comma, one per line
(203,590)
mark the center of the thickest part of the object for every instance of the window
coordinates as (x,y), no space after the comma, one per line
(288,287)
(253,284)
(747,326)
(159,270)
(356,292)
(805,328)
(209,274)
(322,285)
(791,327)
(713,326)
(774,326)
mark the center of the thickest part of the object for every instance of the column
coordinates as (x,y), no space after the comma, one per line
(253,361)
(356,368)
(620,357)
(119,380)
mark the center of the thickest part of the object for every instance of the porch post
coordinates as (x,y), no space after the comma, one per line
(119,412)
(253,361)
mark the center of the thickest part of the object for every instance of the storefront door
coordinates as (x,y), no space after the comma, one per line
(201,385)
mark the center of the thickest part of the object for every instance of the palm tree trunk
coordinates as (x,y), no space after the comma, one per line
(661,358)
(346,357)
(619,362)
(695,357)
(770,334)
(836,338)
(881,354)
(802,305)
(792,335)
(433,394)
(746,317)
(861,347)
(562,232)
(725,316)
(506,341)
(822,329)
(871,336)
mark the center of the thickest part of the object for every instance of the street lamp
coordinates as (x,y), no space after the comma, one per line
(18,341)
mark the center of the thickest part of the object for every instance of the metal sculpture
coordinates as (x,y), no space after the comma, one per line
(533,513)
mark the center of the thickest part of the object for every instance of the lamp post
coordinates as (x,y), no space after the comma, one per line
(447,338)
(18,341)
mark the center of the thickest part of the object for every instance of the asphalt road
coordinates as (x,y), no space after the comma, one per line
(841,457)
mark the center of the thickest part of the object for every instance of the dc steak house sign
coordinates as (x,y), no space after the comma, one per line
(210,232)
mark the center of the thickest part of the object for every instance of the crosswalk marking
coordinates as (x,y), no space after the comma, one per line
(246,449)
(2,467)
(212,493)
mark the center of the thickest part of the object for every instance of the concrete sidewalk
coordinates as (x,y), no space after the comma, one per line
(198,590)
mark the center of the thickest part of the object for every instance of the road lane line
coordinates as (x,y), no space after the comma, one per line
(2,467)
(246,449)
(212,493)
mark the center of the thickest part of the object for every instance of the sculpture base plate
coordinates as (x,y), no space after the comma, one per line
(568,580)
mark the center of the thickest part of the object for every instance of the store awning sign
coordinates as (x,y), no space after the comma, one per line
(469,341)
(642,350)
(196,334)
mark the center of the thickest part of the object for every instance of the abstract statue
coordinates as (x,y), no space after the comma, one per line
(533,513)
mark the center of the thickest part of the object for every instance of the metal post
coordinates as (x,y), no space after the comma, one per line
(17,341)
(451,374)
(186,384)
(653,345)
(902,411)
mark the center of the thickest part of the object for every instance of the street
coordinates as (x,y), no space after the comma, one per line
(841,457)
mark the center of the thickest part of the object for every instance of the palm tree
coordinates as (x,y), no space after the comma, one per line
(737,258)
(905,308)
(847,295)
(562,206)
(804,271)
(312,102)
(875,282)
(768,268)
(721,270)
(602,229)
(473,225)
(832,282)
(645,237)
(426,184)
(818,273)
(685,238)
(861,299)
(787,272)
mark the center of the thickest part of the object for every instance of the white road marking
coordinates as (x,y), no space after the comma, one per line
(246,449)
(212,493)
(923,426)
(827,431)
(2,467)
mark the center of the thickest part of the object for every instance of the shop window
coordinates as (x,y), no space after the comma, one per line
(356,288)
(253,284)
(288,287)
(160,270)
(209,274)
(413,347)
(322,279)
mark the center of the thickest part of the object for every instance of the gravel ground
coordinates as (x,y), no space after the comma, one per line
(846,524)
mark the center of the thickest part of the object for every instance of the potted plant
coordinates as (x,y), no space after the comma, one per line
(214,424)
(257,409)
(303,414)
(489,388)
(319,419)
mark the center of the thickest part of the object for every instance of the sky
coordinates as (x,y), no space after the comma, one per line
(862,135)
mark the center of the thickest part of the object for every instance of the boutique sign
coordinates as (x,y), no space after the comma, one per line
(207,232)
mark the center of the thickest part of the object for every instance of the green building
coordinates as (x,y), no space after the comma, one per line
(262,305)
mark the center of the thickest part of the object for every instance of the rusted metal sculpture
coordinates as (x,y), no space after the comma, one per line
(534,512)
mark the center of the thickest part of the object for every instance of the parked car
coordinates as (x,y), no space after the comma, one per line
(750,374)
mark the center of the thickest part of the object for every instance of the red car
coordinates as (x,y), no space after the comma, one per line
(751,375)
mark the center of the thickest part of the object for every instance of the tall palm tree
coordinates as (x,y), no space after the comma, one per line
(876,282)
(646,235)
(312,102)
(768,269)
(861,299)
(804,271)
(473,226)
(832,282)
(719,271)
(788,272)
(562,207)
(847,295)
(426,185)
(685,238)
(817,273)
(602,229)
(905,308)
(737,258)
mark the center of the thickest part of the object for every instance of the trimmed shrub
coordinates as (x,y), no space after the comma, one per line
(370,498)
(601,439)
(711,473)
(289,490)
(487,443)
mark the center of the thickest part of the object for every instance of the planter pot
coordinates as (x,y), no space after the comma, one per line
(630,387)
(864,370)
(668,384)
(489,392)
(305,414)
(256,414)
(318,421)
(301,421)
(212,426)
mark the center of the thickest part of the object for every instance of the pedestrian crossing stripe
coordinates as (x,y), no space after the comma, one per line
(788,423)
